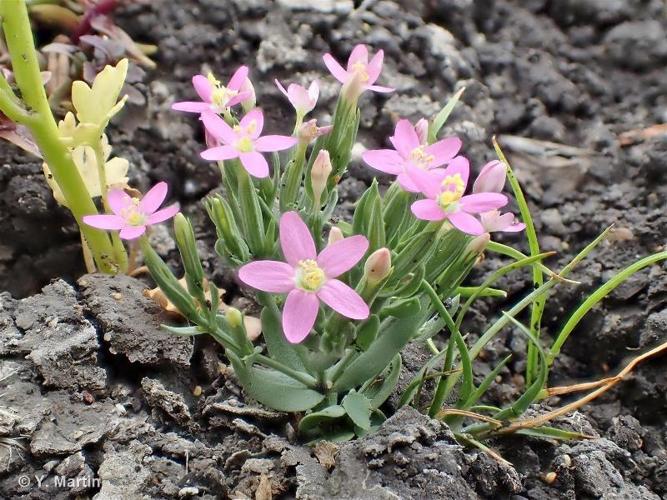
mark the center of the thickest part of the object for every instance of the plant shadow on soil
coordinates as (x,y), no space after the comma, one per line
(90,387)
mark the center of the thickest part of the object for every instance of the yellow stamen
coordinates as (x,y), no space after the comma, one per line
(453,188)
(244,145)
(132,215)
(309,276)
(420,158)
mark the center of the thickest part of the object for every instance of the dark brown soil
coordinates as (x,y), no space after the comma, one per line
(91,388)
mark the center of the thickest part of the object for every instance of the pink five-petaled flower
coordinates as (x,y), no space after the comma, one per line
(360,74)
(132,215)
(411,151)
(302,99)
(308,278)
(492,179)
(244,141)
(445,190)
(214,96)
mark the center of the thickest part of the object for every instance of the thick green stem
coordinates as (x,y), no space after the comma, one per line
(42,125)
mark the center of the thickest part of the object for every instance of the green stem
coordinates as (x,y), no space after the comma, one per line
(42,125)
(120,254)
(597,296)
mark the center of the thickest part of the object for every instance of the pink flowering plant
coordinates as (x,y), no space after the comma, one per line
(339,299)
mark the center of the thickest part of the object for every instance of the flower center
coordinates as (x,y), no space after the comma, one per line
(244,144)
(132,215)
(359,69)
(421,158)
(452,188)
(220,95)
(309,276)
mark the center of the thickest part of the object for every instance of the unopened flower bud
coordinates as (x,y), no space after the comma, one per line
(421,127)
(233,317)
(377,266)
(479,243)
(250,102)
(319,175)
(335,235)
(491,179)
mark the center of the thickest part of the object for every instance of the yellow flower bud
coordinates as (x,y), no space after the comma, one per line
(335,235)
(378,266)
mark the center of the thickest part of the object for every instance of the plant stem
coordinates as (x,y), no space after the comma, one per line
(42,125)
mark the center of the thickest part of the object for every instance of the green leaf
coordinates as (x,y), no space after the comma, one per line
(318,419)
(358,408)
(274,389)
(553,433)
(184,331)
(367,332)
(379,390)
(187,246)
(278,346)
(395,334)
(442,116)
(401,308)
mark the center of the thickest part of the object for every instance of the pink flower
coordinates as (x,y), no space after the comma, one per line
(445,190)
(411,151)
(244,141)
(131,215)
(491,178)
(214,96)
(308,278)
(309,131)
(303,100)
(360,73)
(493,221)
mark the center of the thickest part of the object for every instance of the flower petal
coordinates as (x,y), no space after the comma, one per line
(191,106)
(153,198)
(427,181)
(275,142)
(314,91)
(374,67)
(237,79)
(493,221)
(335,68)
(406,183)
(238,98)
(255,164)
(359,54)
(295,239)
(217,153)
(342,256)
(132,232)
(482,202)
(459,165)
(380,88)
(384,160)
(118,200)
(203,87)
(255,120)
(268,275)
(164,214)
(405,138)
(299,315)
(444,150)
(427,210)
(343,299)
(466,223)
(218,128)
(113,222)
(281,88)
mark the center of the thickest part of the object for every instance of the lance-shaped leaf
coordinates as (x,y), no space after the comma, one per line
(396,332)
(274,389)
